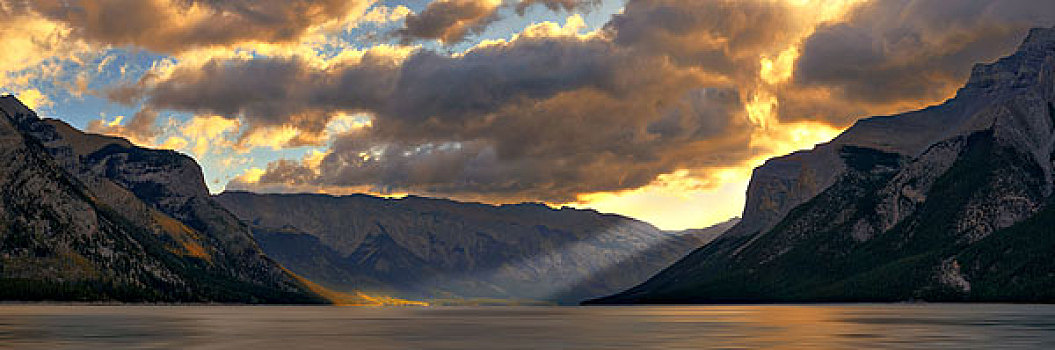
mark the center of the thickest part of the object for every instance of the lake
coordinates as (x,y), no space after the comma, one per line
(634,327)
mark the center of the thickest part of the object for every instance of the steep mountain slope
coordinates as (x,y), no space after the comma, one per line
(948,203)
(87,217)
(439,249)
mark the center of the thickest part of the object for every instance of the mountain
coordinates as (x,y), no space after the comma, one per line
(94,218)
(438,249)
(950,203)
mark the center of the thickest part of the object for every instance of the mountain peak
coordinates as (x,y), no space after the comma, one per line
(1039,36)
(1021,71)
(14,108)
(1027,74)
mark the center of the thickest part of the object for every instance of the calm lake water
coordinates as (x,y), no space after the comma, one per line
(637,327)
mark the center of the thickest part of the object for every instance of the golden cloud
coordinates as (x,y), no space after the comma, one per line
(173,26)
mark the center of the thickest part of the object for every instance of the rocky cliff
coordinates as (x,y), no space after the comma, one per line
(947,203)
(89,217)
(437,249)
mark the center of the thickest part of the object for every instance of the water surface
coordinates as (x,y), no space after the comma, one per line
(637,327)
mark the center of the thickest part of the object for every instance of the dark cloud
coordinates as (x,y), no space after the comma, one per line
(577,142)
(450,20)
(905,53)
(426,86)
(540,118)
(718,36)
(287,171)
(433,85)
(700,114)
(269,92)
(175,25)
(556,5)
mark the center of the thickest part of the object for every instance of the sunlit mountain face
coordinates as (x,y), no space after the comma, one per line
(655,109)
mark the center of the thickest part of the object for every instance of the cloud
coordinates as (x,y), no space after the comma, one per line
(893,55)
(450,20)
(50,45)
(384,14)
(141,129)
(270,92)
(718,36)
(424,85)
(205,134)
(34,99)
(548,150)
(556,5)
(32,48)
(172,26)
(538,117)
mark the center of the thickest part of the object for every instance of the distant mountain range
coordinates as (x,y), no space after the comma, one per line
(86,217)
(950,203)
(448,251)
(89,217)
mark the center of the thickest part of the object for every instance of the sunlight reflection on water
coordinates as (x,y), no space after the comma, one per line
(639,327)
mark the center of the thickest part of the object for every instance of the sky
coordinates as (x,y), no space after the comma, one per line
(654,109)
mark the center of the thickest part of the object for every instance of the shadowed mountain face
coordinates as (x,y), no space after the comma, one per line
(440,249)
(950,203)
(88,217)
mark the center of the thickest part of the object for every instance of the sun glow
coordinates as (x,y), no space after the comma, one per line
(779,70)
(355,298)
(34,99)
(715,195)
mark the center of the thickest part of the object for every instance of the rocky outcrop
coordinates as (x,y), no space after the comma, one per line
(89,217)
(434,249)
(920,205)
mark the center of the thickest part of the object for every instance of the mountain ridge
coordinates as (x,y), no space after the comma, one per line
(72,231)
(785,182)
(898,207)
(434,249)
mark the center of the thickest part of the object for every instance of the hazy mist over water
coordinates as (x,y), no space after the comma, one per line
(638,327)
